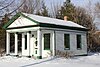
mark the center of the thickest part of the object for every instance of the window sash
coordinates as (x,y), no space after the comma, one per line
(79,41)
(66,41)
(25,42)
(47,41)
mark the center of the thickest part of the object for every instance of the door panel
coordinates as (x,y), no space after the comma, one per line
(33,42)
(25,51)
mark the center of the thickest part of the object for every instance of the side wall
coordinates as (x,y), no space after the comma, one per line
(73,42)
(59,40)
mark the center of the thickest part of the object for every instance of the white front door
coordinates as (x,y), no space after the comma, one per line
(33,44)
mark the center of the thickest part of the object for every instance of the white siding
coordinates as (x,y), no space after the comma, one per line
(59,41)
(21,21)
(23,29)
(73,45)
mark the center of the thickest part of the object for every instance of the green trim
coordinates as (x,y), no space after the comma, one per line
(11,20)
(39,57)
(29,18)
(62,27)
(40,24)
(51,26)
(47,49)
(16,17)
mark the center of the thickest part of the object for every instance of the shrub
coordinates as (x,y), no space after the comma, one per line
(65,54)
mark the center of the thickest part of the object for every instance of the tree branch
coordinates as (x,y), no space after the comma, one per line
(7,5)
(16,8)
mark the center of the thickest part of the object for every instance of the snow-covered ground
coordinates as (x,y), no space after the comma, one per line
(92,60)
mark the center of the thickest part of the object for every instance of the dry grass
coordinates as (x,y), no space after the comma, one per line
(64,54)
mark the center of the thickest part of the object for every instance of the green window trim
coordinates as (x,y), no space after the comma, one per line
(79,42)
(66,41)
(47,41)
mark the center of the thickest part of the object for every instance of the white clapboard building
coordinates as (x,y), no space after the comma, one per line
(43,36)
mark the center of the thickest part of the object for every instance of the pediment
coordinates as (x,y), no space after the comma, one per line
(22,21)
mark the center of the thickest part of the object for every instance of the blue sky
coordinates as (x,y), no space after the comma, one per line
(82,3)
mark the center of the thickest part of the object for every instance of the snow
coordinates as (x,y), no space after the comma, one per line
(54,21)
(93,60)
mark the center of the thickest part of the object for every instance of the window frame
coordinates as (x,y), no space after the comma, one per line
(25,42)
(79,41)
(66,41)
(45,46)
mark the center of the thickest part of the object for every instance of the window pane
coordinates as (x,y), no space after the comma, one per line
(78,41)
(25,41)
(67,41)
(47,41)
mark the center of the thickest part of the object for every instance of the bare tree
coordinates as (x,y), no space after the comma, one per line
(30,6)
(7,5)
(43,10)
(97,9)
(54,9)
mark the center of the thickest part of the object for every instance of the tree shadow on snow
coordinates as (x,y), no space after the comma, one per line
(39,62)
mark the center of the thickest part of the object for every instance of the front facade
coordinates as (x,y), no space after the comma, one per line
(41,36)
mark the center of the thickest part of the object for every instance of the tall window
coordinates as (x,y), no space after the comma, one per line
(47,41)
(67,41)
(25,41)
(78,41)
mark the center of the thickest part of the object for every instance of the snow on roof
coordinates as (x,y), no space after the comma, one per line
(49,20)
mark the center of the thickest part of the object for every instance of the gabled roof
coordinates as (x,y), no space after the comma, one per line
(47,22)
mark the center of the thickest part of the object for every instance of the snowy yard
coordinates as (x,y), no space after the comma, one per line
(83,61)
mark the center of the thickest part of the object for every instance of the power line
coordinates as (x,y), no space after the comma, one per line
(7,5)
(16,8)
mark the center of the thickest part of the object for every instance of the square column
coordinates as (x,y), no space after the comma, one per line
(16,44)
(7,43)
(23,43)
(28,43)
(39,44)
(53,45)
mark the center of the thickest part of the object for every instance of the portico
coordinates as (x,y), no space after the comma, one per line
(27,36)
